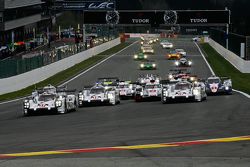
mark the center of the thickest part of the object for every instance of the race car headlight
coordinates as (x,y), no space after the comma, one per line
(170,76)
(191,78)
(26,105)
(130,86)
(142,43)
(152,51)
(196,92)
(80,97)
(226,88)
(110,96)
(189,63)
(177,63)
(135,56)
(145,56)
(154,65)
(142,65)
(58,103)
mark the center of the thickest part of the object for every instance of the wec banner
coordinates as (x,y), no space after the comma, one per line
(85,5)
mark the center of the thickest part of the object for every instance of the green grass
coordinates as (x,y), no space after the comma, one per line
(222,67)
(64,75)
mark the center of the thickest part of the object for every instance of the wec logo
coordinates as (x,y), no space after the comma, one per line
(103,5)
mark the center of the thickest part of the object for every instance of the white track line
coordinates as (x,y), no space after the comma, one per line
(212,71)
(15,100)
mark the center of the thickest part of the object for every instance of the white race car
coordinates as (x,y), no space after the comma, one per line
(196,39)
(50,99)
(150,90)
(166,44)
(184,90)
(98,94)
(147,49)
(126,89)
(183,62)
(182,52)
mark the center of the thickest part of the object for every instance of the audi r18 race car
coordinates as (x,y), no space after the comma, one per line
(183,62)
(182,52)
(166,44)
(183,90)
(148,65)
(148,90)
(218,85)
(50,99)
(140,56)
(98,94)
(173,55)
(126,89)
(147,49)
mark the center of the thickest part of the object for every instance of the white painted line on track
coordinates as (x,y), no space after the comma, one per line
(15,100)
(212,71)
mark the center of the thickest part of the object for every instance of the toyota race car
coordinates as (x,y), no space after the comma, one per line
(50,99)
(218,85)
(183,62)
(140,56)
(148,65)
(183,90)
(98,94)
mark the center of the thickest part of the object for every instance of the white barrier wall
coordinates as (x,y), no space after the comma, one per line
(24,80)
(236,61)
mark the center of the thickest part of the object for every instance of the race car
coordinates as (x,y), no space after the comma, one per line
(181,74)
(147,49)
(140,56)
(146,45)
(218,85)
(126,89)
(98,94)
(50,99)
(146,79)
(196,39)
(148,65)
(183,90)
(166,44)
(182,52)
(183,62)
(108,82)
(173,55)
(148,90)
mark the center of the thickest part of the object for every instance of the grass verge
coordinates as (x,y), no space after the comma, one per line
(66,74)
(222,67)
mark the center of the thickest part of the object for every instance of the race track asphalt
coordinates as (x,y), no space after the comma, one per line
(132,123)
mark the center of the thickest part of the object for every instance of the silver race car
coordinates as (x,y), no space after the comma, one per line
(183,90)
(50,99)
(148,90)
(182,52)
(126,89)
(98,94)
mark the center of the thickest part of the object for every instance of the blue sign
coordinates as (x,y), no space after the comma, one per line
(85,5)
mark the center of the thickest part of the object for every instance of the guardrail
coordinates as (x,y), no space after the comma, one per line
(15,66)
(24,80)
(239,63)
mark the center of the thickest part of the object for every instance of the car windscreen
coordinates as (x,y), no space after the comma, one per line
(123,86)
(210,81)
(152,86)
(182,86)
(46,98)
(97,91)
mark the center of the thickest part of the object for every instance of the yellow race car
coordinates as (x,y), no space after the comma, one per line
(173,55)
